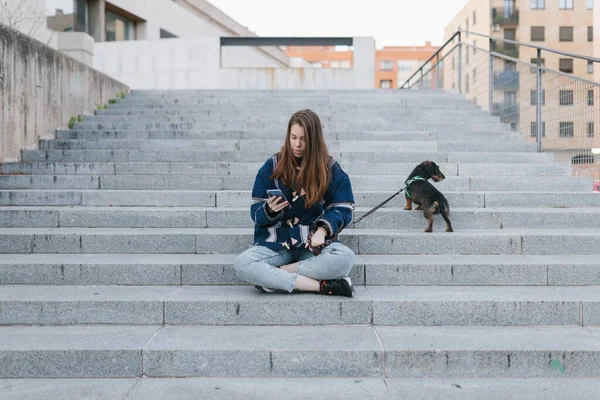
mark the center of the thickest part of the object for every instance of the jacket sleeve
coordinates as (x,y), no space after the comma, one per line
(339,204)
(258,209)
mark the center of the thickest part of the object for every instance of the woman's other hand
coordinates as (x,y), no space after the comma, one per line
(317,238)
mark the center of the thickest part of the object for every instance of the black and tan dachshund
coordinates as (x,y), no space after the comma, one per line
(425,195)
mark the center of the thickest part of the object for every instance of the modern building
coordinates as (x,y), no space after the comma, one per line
(570,108)
(394,64)
(132,20)
(190,44)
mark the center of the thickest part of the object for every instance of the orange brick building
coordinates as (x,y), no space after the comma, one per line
(394,64)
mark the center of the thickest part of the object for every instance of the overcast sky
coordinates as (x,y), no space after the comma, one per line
(391,22)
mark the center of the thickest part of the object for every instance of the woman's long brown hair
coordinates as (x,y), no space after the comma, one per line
(314,173)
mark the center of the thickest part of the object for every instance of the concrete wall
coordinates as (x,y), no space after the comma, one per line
(40,89)
(196,64)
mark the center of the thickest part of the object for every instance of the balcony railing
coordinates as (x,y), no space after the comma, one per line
(507,79)
(508,112)
(508,49)
(503,17)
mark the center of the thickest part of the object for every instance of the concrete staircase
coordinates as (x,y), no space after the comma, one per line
(118,240)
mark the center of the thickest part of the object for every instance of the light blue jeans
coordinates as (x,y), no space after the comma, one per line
(259,265)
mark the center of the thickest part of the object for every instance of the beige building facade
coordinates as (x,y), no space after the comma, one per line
(570,107)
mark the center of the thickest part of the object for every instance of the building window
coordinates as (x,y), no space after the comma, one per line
(467,26)
(565,65)
(590,67)
(385,84)
(467,83)
(534,97)
(164,34)
(474,47)
(590,4)
(534,129)
(534,61)
(405,66)
(538,33)
(565,33)
(346,64)
(119,28)
(566,129)
(565,98)
(565,4)
(453,62)
(509,8)
(334,64)
(386,65)
(582,159)
(590,129)
(537,4)
(590,97)
(466,55)
(590,33)
(475,17)
(474,75)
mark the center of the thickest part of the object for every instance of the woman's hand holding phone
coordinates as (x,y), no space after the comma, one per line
(276,203)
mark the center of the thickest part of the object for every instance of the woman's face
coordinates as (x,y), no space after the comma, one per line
(297,142)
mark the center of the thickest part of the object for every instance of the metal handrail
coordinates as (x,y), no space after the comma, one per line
(494,38)
(562,53)
(432,57)
(429,70)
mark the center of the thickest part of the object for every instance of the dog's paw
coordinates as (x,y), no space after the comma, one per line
(428,230)
(407,208)
(449,230)
(420,207)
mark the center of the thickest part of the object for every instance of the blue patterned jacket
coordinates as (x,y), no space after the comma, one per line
(334,211)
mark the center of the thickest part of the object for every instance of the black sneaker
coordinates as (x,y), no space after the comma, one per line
(337,287)
(264,289)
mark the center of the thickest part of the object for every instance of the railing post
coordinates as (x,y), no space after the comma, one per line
(421,79)
(538,103)
(437,71)
(459,64)
(491,85)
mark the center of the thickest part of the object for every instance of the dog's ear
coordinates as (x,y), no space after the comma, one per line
(427,163)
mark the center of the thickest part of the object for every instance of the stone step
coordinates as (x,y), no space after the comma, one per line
(244,305)
(218,269)
(237,182)
(239,217)
(83,134)
(232,198)
(249,145)
(303,388)
(341,351)
(327,121)
(392,111)
(187,155)
(463,126)
(241,168)
(361,241)
(280,107)
(246,145)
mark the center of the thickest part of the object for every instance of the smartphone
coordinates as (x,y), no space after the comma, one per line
(278,193)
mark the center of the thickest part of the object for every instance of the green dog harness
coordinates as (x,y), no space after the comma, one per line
(416,178)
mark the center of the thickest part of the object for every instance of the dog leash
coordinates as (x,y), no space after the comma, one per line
(317,249)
